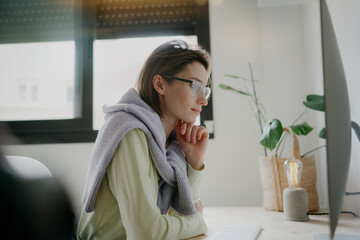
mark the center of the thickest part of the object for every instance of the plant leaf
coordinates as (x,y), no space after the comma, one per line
(271,134)
(239,77)
(232,76)
(322,133)
(227,87)
(315,102)
(302,129)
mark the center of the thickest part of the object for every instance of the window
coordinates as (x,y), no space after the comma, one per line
(34,80)
(54,57)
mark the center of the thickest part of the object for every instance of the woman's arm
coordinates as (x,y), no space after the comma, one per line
(133,181)
(195,178)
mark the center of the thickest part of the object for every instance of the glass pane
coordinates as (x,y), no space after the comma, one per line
(117,64)
(37,81)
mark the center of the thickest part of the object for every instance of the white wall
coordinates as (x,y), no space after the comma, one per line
(232,176)
(272,40)
(278,43)
(284,65)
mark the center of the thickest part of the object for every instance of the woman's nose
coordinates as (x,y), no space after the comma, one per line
(202,100)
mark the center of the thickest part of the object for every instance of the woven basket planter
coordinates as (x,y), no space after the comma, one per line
(274,181)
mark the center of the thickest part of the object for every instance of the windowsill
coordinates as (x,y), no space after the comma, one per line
(51,137)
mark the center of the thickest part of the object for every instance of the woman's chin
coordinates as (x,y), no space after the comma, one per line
(192,120)
(188,119)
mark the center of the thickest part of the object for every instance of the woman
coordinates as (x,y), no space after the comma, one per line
(146,167)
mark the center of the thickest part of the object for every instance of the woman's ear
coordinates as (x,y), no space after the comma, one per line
(159,84)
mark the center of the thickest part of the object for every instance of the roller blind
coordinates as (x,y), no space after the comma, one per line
(118,18)
(54,20)
(36,20)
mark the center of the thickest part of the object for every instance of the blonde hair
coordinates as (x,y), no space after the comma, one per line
(168,59)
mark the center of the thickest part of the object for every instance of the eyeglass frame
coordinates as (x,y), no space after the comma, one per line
(192,82)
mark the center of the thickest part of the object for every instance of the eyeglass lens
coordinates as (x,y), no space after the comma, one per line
(199,89)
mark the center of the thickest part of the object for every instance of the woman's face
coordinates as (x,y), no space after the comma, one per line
(179,101)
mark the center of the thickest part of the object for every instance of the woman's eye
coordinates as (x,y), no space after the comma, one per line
(198,87)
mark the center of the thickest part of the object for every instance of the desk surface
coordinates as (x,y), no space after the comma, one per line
(274,226)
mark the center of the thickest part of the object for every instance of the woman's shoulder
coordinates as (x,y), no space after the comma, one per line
(133,140)
(132,145)
(134,151)
(135,134)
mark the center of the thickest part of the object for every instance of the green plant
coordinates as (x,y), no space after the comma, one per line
(272,132)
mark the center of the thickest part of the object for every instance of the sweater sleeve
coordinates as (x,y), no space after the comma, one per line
(134,182)
(195,177)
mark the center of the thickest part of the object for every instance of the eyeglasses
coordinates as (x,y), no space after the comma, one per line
(197,87)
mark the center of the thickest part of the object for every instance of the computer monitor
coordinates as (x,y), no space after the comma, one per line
(338,121)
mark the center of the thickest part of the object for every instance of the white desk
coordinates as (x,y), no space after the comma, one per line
(273,223)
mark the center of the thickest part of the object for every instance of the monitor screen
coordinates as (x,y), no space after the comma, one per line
(337,116)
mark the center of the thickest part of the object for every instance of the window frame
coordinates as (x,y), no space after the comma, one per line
(80,128)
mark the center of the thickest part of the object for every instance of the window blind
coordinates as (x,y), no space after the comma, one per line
(36,20)
(54,20)
(119,18)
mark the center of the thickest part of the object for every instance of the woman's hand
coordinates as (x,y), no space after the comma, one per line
(193,141)
(199,207)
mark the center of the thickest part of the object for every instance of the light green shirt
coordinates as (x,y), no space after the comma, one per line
(126,204)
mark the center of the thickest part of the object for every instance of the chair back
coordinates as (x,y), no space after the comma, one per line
(28,168)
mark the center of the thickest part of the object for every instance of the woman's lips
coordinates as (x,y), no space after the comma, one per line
(196,110)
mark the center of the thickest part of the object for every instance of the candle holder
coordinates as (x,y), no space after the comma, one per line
(294,197)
